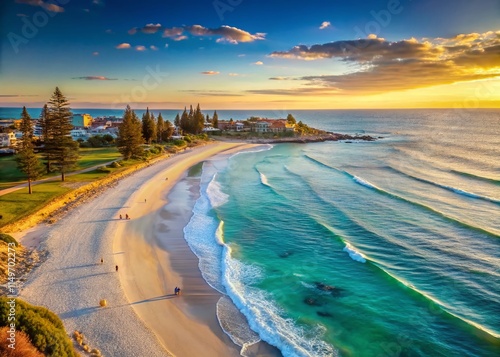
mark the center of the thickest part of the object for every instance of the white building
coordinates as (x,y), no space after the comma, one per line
(7,139)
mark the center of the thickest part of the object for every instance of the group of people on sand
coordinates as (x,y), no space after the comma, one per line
(177,291)
(126,216)
(102,262)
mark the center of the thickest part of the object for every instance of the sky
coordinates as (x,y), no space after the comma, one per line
(251,54)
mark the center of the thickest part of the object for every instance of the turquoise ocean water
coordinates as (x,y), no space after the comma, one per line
(386,248)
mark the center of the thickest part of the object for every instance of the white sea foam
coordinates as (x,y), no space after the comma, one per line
(364,182)
(214,191)
(235,325)
(267,318)
(260,148)
(264,180)
(354,254)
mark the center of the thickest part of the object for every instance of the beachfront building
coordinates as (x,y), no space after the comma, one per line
(271,126)
(81,120)
(7,139)
(260,126)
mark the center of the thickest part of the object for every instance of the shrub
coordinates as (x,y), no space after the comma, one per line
(180,142)
(8,239)
(115,165)
(23,346)
(103,169)
(42,326)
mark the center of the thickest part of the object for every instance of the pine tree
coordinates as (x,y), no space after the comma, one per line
(215,120)
(168,130)
(147,129)
(60,146)
(46,125)
(184,122)
(160,127)
(198,121)
(43,123)
(153,128)
(177,120)
(208,118)
(130,138)
(27,161)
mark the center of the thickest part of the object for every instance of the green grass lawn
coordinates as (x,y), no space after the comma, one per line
(19,204)
(11,176)
(95,156)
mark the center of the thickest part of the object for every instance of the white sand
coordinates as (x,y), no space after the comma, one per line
(72,281)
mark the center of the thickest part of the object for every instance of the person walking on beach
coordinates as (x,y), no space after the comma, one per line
(126,216)
(120,216)
(144,200)
(116,267)
(102,261)
(175,290)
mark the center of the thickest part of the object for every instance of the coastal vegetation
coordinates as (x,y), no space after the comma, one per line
(60,151)
(27,160)
(43,329)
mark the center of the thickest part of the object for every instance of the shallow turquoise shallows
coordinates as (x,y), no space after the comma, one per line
(385,248)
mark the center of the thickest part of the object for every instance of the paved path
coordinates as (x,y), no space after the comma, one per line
(52,178)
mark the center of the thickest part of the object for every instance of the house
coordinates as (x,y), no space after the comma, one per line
(260,126)
(81,120)
(7,139)
(271,126)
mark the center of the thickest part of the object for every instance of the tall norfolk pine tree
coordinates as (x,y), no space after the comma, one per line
(45,124)
(148,127)
(130,138)
(62,149)
(160,127)
(27,161)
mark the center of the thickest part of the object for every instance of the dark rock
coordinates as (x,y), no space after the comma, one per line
(323,314)
(312,301)
(333,290)
(285,254)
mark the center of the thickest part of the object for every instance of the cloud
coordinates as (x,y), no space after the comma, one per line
(173,32)
(140,48)
(383,66)
(212,93)
(166,45)
(109,31)
(149,29)
(95,53)
(258,63)
(17,95)
(22,15)
(122,46)
(153,47)
(47,6)
(280,78)
(95,78)
(180,38)
(325,25)
(86,10)
(233,74)
(210,73)
(242,55)
(226,33)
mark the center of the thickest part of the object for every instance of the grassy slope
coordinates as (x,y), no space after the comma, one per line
(19,204)
(11,176)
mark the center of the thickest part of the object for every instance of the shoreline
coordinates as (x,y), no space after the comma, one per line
(71,281)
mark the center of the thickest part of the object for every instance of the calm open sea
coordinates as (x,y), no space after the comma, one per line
(386,248)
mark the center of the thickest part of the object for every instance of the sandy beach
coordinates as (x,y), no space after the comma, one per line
(143,317)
